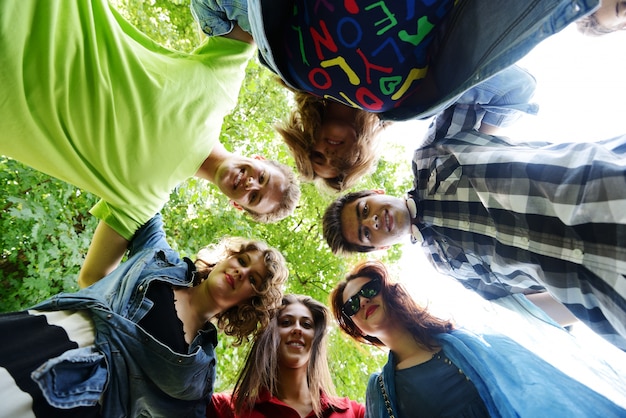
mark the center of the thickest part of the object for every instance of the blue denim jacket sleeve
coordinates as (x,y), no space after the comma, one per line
(503,98)
(76,378)
(150,235)
(218,17)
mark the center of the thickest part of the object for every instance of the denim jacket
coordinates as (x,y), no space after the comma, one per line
(511,380)
(127,370)
(480,38)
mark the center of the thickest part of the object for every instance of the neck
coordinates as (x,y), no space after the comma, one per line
(194,308)
(209,167)
(293,387)
(406,349)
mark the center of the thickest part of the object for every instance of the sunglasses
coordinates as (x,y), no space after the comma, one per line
(368,291)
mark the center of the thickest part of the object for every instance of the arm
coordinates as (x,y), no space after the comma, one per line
(555,310)
(487,107)
(105,253)
(240,35)
(216,18)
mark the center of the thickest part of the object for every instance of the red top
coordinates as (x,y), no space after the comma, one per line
(268,406)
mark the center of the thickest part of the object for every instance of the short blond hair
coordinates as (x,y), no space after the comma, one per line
(289,201)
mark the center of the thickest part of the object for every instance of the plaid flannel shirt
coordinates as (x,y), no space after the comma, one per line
(523,217)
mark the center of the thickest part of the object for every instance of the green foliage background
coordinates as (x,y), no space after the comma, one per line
(46,228)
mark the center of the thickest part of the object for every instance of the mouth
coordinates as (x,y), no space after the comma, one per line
(333,142)
(238,178)
(230,280)
(370,311)
(388,221)
(297,344)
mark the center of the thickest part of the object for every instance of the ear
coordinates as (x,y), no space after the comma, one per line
(258,157)
(236,205)
(378,191)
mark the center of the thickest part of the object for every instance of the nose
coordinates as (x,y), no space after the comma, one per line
(373,221)
(241,273)
(251,183)
(297,329)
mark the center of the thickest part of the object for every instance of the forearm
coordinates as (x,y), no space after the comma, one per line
(105,253)
(555,310)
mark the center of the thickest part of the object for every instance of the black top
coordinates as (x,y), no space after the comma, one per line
(437,388)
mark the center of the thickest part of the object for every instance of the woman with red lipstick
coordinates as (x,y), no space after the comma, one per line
(435,370)
(141,341)
(286,372)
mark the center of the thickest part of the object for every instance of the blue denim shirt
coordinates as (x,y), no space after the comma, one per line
(480,39)
(127,370)
(511,380)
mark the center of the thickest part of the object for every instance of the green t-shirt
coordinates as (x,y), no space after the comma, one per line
(89,99)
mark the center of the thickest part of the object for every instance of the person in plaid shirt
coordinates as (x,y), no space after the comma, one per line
(505,217)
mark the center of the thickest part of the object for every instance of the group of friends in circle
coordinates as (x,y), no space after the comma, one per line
(101,109)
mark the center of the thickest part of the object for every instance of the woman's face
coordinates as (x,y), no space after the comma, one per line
(334,148)
(231,281)
(611,14)
(297,330)
(371,314)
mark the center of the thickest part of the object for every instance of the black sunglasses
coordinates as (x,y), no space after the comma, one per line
(369,290)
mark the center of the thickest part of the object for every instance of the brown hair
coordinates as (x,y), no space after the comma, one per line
(290,197)
(401,308)
(261,371)
(300,130)
(246,319)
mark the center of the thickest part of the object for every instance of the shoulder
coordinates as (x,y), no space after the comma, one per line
(220,406)
(344,407)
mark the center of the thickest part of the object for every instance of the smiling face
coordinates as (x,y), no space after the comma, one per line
(611,15)
(371,314)
(233,280)
(334,148)
(297,330)
(377,221)
(336,145)
(253,184)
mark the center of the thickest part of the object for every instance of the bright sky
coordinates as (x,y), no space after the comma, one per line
(581,90)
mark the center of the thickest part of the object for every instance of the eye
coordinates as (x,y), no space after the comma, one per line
(253,197)
(242,261)
(254,280)
(366,233)
(262,178)
(366,209)
(318,158)
(307,324)
(284,322)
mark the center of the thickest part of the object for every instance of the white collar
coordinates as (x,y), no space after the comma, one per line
(416,235)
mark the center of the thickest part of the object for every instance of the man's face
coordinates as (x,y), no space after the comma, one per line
(251,183)
(376,221)
(611,14)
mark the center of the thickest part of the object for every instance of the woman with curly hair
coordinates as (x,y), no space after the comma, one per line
(141,341)
(439,370)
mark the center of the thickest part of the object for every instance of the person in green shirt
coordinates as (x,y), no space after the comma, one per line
(89,99)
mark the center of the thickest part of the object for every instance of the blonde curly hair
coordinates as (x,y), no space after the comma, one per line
(247,319)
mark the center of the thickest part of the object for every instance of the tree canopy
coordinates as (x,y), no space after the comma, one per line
(46,226)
